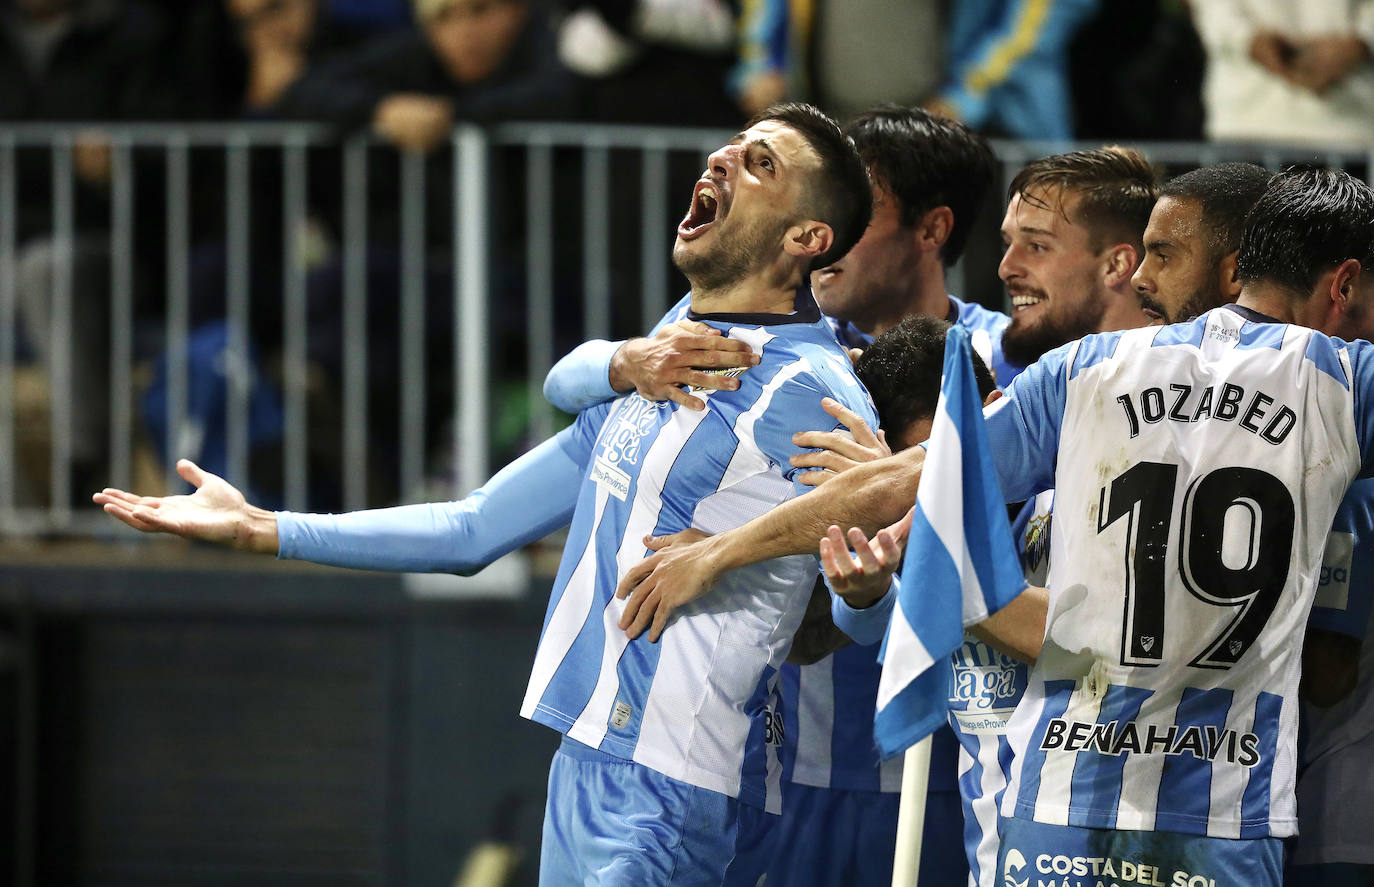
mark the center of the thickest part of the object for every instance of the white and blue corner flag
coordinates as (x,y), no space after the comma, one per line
(960,564)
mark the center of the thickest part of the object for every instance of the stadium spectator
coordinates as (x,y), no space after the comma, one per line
(1288,72)
(83,61)
(477,60)
(1006,68)
(844,56)
(634,52)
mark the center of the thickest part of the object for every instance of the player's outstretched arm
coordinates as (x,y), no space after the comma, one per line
(869,496)
(215,512)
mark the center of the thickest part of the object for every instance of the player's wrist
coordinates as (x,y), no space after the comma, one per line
(621,366)
(257,532)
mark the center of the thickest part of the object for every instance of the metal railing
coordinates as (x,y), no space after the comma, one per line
(525,172)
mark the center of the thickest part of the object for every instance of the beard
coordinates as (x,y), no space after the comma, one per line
(733,256)
(1025,342)
(1198,303)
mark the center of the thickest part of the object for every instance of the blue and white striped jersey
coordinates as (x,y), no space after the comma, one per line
(985,688)
(830,704)
(694,706)
(1197,469)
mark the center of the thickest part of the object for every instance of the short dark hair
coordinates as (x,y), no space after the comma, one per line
(902,368)
(1116,189)
(1307,222)
(924,160)
(1226,192)
(841,194)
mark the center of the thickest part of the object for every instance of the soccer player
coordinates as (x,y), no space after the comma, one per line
(1073,239)
(1159,726)
(666,768)
(930,178)
(1193,239)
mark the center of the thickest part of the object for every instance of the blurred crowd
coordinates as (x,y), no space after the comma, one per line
(407,70)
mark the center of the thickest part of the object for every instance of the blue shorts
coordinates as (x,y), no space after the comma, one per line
(614,823)
(833,836)
(1068,856)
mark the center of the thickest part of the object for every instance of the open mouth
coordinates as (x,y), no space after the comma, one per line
(701,215)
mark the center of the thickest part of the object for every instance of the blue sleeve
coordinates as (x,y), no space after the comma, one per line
(1362,368)
(869,625)
(1345,588)
(583,377)
(1023,426)
(525,501)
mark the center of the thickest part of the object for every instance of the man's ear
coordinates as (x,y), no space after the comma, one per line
(1228,283)
(808,239)
(933,228)
(1122,260)
(1345,285)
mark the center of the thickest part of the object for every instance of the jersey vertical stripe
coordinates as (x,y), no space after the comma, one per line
(695,706)
(1196,470)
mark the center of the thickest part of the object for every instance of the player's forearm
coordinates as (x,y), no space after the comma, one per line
(583,377)
(1018,629)
(870,496)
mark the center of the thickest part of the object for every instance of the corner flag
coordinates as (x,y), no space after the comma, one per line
(960,564)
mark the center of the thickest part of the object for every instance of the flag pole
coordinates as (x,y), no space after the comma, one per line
(911,815)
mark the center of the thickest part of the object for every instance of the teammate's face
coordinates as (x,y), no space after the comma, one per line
(870,286)
(1053,275)
(1179,277)
(743,205)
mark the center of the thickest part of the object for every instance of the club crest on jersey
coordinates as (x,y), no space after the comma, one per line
(1037,541)
(1147,642)
(727,372)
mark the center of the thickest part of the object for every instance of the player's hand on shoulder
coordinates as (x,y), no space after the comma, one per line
(679,357)
(678,573)
(863,576)
(834,451)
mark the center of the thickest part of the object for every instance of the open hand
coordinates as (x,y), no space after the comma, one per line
(864,577)
(215,512)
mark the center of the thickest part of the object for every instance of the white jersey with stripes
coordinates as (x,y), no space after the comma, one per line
(1196,469)
(698,705)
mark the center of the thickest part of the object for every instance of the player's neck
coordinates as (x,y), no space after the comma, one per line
(927,297)
(766,292)
(1271,300)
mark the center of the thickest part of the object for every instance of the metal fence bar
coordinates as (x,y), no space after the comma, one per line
(412,329)
(121,316)
(178,305)
(655,225)
(60,343)
(294,329)
(539,276)
(474,293)
(596,243)
(239,368)
(8,235)
(355,325)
